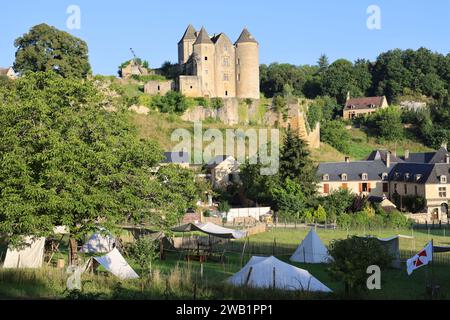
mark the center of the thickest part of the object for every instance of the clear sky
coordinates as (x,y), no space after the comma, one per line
(293,31)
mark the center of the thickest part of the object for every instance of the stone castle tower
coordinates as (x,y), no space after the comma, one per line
(215,67)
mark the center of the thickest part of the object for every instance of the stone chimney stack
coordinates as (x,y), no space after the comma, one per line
(388,159)
(347,159)
(394,153)
(406,154)
(447,158)
(444,145)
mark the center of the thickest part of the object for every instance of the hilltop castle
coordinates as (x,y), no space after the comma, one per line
(214,66)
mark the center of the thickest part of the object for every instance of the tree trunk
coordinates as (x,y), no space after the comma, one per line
(73,255)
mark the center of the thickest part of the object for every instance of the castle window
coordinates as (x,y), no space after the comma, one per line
(226,62)
(206,71)
(225,77)
(191,87)
(415,190)
(225,48)
(159,88)
(239,61)
(226,93)
(442,192)
(206,58)
(239,77)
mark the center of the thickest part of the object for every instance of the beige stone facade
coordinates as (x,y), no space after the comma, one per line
(215,67)
(223,170)
(358,107)
(159,87)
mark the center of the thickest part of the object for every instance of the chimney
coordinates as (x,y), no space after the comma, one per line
(348,96)
(406,154)
(447,158)
(347,159)
(388,159)
(394,153)
(444,145)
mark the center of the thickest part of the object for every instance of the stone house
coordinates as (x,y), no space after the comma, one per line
(223,170)
(357,107)
(8,72)
(159,87)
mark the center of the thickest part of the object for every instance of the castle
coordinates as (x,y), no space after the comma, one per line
(215,67)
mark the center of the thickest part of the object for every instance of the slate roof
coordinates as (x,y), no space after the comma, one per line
(428,157)
(363,103)
(428,172)
(382,155)
(246,36)
(354,170)
(176,157)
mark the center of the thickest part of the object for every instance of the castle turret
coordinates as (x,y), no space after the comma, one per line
(247,66)
(185,45)
(204,62)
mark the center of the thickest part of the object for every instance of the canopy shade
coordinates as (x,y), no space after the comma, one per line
(211,229)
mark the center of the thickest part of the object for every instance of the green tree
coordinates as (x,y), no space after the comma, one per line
(45,48)
(339,79)
(296,163)
(334,133)
(352,256)
(320,215)
(289,197)
(67,161)
(386,124)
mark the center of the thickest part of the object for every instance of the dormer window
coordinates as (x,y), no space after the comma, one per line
(396,174)
(326,177)
(365,176)
(344,177)
(407,175)
(384,176)
(418,176)
(443,179)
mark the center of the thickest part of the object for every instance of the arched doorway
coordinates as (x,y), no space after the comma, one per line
(444,210)
(435,214)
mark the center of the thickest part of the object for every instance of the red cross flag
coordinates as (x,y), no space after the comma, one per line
(422,258)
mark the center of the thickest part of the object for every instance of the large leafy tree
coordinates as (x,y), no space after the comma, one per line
(65,160)
(339,79)
(46,48)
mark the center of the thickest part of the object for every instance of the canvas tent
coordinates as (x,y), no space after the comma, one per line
(392,245)
(269,272)
(31,255)
(311,250)
(115,263)
(211,229)
(99,243)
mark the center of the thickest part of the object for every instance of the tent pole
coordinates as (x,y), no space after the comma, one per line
(248,276)
(274,278)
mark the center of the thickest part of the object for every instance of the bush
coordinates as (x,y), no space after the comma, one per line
(344,221)
(172,102)
(216,103)
(396,219)
(334,133)
(352,256)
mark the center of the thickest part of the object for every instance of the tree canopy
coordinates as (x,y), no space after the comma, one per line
(45,48)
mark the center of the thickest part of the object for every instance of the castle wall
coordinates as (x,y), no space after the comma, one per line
(205,68)
(190,86)
(225,75)
(159,87)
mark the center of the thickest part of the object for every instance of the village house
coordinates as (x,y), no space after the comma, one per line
(357,107)
(223,170)
(385,176)
(8,72)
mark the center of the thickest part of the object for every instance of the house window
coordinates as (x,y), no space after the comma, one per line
(384,176)
(405,188)
(385,187)
(226,62)
(326,188)
(364,176)
(442,192)
(407,176)
(326,177)
(365,187)
(344,177)
(418,176)
(344,186)
(443,179)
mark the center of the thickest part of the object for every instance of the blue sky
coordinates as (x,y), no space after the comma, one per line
(288,31)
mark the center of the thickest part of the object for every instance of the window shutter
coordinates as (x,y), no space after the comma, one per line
(360,187)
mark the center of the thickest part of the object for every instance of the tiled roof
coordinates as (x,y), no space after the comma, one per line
(428,157)
(382,155)
(354,170)
(419,172)
(364,102)
(246,36)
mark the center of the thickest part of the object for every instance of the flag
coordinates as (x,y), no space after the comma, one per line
(420,259)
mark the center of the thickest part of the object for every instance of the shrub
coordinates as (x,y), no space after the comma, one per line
(344,221)
(334,133)
(216,103)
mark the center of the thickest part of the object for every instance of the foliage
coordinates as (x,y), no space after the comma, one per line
(386,124)
(224,206)
(144,251)
(288,197)
(170,70)
(352,256)
(338,202)
(45,48)
(413,203)
(172,102)
(334,133)
(217,103)
(320,215)
(67,161)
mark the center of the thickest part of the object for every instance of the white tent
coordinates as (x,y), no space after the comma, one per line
(115,263)
(99,243)
(311,250)
(211,229)
(29,256)
(265,272)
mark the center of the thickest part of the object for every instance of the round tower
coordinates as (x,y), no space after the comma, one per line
(247,66)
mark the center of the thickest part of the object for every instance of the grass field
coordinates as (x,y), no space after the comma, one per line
(175,278)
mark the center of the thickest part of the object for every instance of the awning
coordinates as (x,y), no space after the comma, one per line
(211,229)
